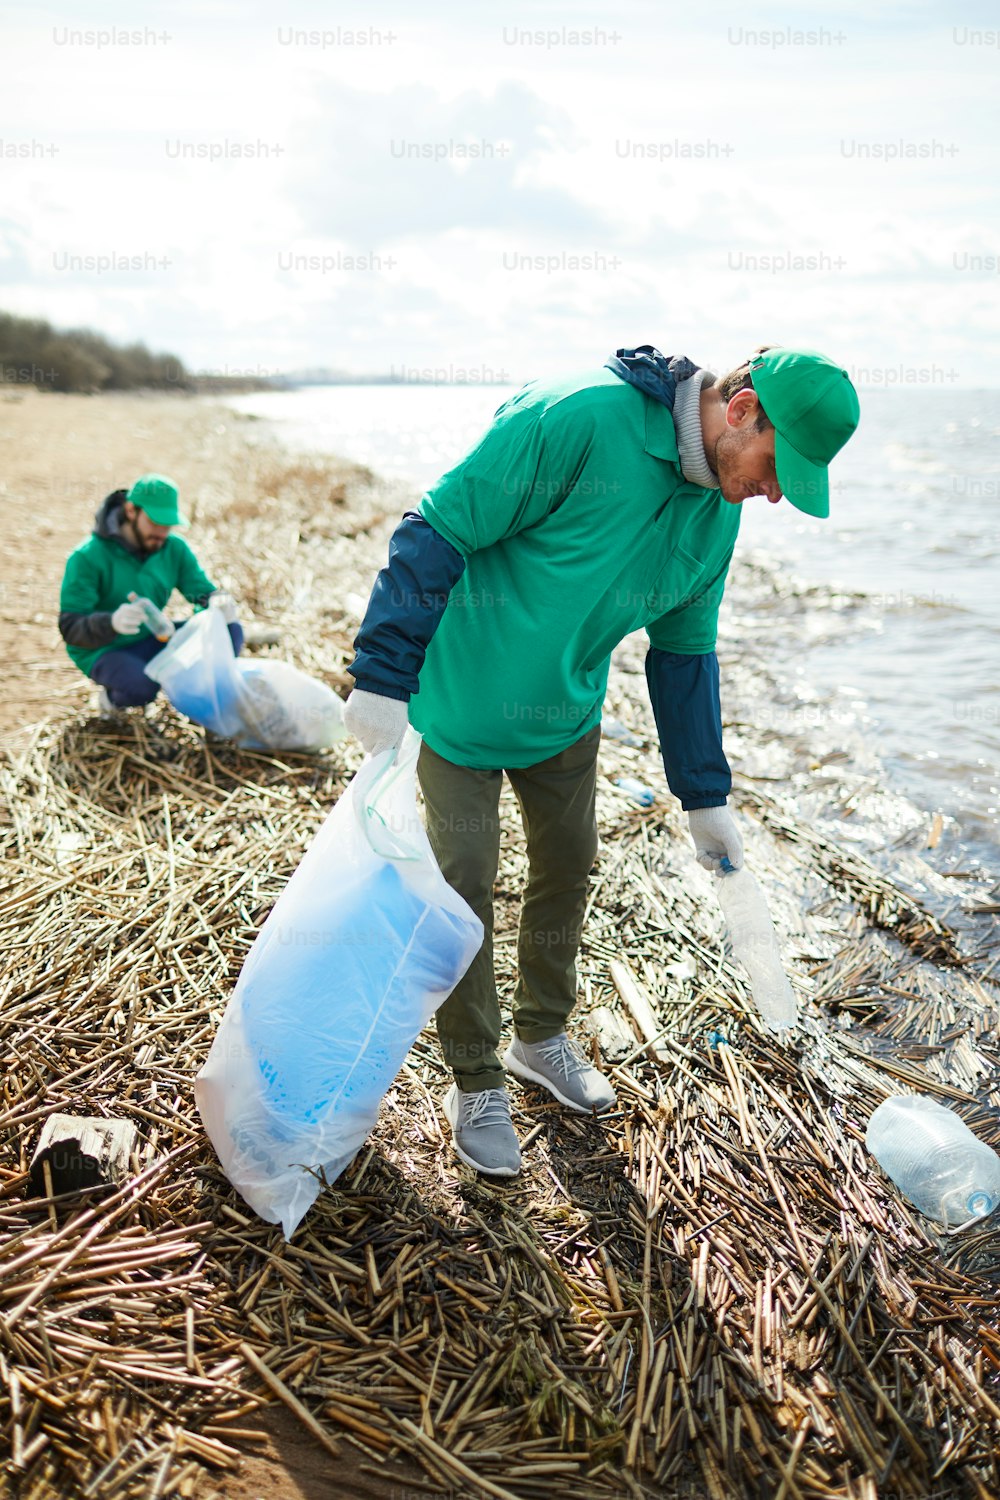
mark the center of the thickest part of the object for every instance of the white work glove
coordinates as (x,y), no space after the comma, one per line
(378,722)
(715,833)
(128,619)
(224,601)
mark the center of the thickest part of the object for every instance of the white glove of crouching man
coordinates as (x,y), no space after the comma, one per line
(716,835)
(225,602)
(128,618)
(378,722)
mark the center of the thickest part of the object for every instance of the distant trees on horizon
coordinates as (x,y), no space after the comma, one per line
(34,353)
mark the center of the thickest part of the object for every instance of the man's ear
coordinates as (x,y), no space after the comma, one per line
(742,409)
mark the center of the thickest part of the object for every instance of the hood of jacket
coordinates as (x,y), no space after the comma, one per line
(108,520)
(655,373)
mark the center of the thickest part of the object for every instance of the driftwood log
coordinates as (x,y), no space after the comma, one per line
(80,1153)
(261,635)
(616,1037)
(639,1006)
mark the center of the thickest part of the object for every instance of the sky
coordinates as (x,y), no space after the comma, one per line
(490,192)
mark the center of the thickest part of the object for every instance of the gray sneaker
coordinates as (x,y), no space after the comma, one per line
(484,1135)
(559,1066)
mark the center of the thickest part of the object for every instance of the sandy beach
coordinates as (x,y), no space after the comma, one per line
(711,1293)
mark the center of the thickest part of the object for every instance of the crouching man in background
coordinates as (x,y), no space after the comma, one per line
(132,551)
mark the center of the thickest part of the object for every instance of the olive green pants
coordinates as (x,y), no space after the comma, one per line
(556,798)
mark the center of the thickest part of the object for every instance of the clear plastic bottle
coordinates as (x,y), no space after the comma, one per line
(932,1156)
(154,618)
(644,795)
(614,729)
(755,944)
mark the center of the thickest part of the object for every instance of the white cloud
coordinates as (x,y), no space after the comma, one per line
(779,172)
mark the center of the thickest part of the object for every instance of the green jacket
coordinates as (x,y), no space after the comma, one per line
(102,572)
(577,527)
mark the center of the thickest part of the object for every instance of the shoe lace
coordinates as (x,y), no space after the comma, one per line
(487,1107)
(560,1053)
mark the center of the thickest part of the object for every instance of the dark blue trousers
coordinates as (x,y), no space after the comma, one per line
(120,671)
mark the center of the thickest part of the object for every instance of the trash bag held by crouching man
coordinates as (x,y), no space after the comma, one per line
(595,505)
(261,705)
(132,560)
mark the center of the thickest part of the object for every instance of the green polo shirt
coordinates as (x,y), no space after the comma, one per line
(577,527)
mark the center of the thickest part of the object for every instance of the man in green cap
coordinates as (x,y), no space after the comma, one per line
(132,556)
(595,505)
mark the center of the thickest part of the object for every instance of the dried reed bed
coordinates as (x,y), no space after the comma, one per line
(713,1292)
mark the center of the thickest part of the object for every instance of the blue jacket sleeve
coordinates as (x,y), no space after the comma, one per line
(684,692)
(405,609)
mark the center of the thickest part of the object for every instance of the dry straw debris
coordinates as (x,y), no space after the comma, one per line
(713,1292)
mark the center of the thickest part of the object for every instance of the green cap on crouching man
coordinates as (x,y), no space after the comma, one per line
(157,496)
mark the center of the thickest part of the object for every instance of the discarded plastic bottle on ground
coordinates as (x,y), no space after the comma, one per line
(614,729)
(932,1156)
(644,795)
(755,944)
(154,618)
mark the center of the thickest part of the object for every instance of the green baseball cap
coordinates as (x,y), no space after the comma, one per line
(814,409)
(157,496)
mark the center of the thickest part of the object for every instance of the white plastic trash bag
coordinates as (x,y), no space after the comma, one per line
(261,704)
(364,943)
(196,670)
(282,708)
